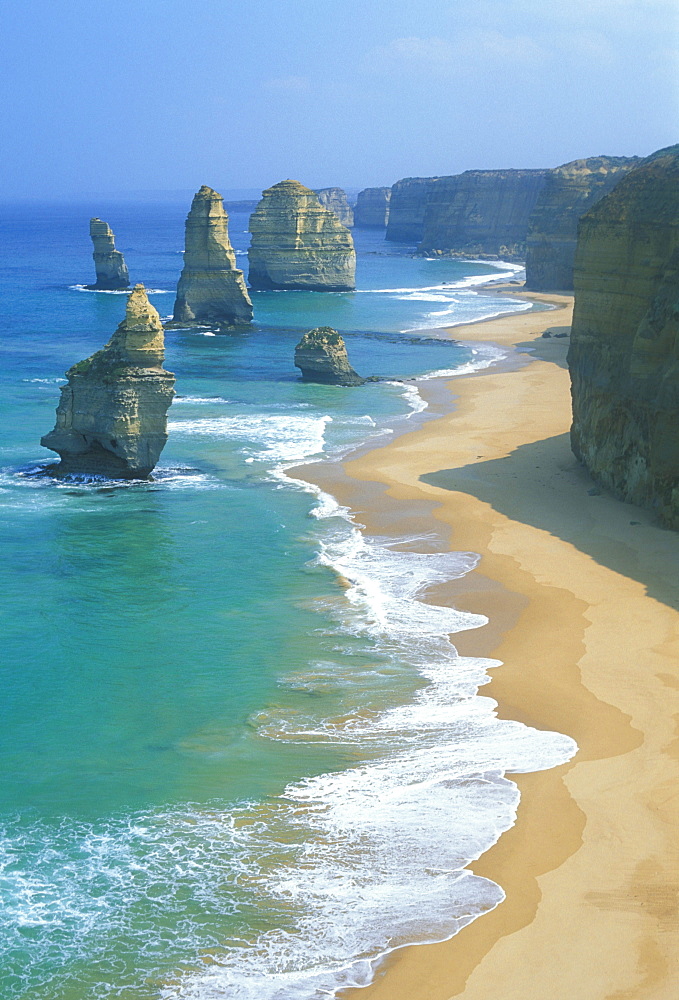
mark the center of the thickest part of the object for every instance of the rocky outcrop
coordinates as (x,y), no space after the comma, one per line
(407,207)
(211,289)
(112,416)
(109,263)
(335,199)
(569,192)
(296,243)
(321,356)
(624,354)
(481,212)
(372,208)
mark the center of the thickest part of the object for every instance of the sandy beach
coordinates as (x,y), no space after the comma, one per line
(582,593)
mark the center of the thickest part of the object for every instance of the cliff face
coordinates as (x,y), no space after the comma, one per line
(112,416)
(296,243)
(569,192)
(321,356)
(372,208)
(406,208)
(482,212)
(211,289)
(624,355)
(109,263)
(335,199)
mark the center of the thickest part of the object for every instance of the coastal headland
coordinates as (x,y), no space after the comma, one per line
(582,592)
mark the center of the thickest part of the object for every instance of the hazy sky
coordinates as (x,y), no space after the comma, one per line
(122,95)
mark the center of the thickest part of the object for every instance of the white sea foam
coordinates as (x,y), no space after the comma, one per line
(119,291)
(272,437)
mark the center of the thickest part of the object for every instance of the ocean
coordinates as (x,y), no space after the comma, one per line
(239,755)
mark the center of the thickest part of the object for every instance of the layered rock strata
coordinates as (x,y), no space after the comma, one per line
(481,212)
(112,416)
(109,263)
(335,199)
(211,289)
(624,353)
(570,191)
(407,205)
(321,356)
(372,208)
(296,243)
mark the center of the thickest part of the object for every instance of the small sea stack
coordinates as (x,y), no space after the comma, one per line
(112,416)
(109,263)
(321,356)
(335,199)
(298,244)
(211,289)
(372,208)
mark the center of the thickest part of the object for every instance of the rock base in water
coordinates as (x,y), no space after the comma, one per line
(321,356)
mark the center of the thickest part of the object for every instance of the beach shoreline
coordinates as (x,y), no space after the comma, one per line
(582,597)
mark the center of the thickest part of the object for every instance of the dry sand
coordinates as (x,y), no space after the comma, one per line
(582,592)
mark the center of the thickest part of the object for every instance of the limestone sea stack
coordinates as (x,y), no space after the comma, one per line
(211,289)
(407,205)
(321,356)
(109,263)
(372,208)
(296,243)
(624,354)
(336,200)
(112,416)
(570,190)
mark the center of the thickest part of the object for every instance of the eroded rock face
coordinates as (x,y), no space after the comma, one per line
(321,356)
(372,208)
(481,212)
(624,354)
(112,416)
(296,243)
(569,192)
(109,263)
(211,289)
(335,199)
(407,206)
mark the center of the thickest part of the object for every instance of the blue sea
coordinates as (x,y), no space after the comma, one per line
(239,755)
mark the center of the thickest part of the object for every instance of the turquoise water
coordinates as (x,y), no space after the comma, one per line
(210,751)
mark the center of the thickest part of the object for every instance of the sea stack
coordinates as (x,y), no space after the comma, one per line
(570,190)
(211,289)
(109,263)
(112,416)
(335,199)
(321,356)
(296,243)
(372,208)
(624,353)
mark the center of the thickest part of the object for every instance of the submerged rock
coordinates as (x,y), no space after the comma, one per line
(296,243)
(569,192)
(407,205)
(624,353)
(211,289)
(321,356)
(372,208)
(112,416)
(109,263)
(335,199)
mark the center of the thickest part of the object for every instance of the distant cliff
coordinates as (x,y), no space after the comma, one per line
(481,212)
(624,354)
(569,192)
(372,208)
(296,243)
(109,263)
(335,199)
(406,208)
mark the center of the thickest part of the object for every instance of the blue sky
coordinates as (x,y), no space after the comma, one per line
(129,95)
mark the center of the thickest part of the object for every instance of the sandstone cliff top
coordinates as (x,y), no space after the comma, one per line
(648,193)
(290,188)
(207,194)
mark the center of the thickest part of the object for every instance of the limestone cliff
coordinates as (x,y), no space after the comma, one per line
(335,199)
(624,354)
(296,243)
(569,192)
(211,289)
(109,263)
(321,356)
(481,212)
(406,208)
(112,416)
(372,208)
